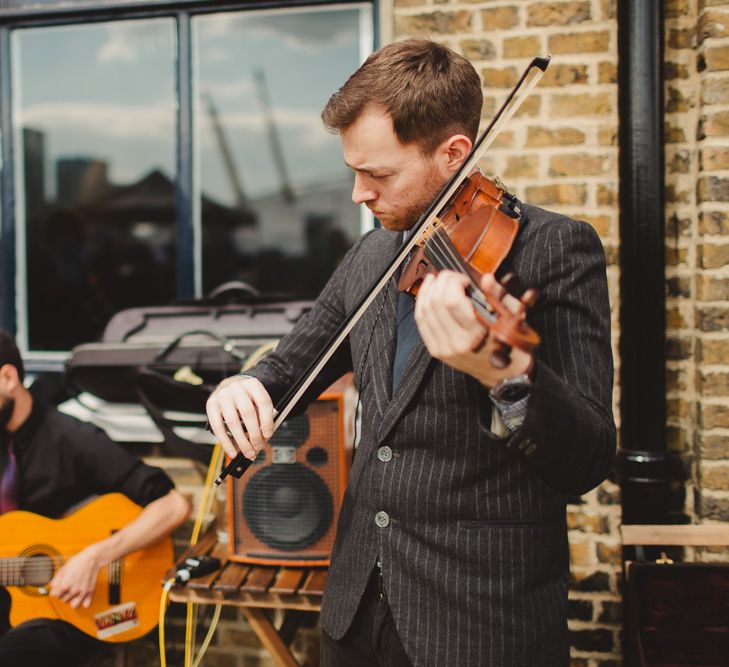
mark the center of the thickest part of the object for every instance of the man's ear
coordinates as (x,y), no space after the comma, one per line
(453,151)
(9,378)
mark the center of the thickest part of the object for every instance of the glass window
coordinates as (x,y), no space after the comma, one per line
(274,191)
(94,116)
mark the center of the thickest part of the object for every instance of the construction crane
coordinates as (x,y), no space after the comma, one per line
(278,158)
(227,155)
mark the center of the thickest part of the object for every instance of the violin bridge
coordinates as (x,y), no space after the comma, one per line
(435,223)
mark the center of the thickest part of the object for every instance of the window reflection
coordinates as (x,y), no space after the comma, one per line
(275,194)
(95,112)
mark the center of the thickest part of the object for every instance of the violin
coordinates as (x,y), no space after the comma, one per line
(473,234)
(468,228)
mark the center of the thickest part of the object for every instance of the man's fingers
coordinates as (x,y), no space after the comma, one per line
(264,406)
(241,416)
(234,415)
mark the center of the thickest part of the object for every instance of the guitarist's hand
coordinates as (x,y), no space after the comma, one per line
(75,582)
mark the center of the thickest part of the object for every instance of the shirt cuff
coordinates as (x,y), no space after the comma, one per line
(512,414)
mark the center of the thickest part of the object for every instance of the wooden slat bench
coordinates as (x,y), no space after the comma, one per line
(254,588)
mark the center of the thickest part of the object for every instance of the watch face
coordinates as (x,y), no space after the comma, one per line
(514,392)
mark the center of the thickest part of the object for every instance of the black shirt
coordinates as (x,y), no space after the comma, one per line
(63,461)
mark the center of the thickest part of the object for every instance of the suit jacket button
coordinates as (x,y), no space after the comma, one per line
(530,449)
(382,519)
(384,453)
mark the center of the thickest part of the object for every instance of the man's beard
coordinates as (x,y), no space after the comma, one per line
(6,411)
(432,186)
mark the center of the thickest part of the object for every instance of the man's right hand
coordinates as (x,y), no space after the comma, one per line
(240,413)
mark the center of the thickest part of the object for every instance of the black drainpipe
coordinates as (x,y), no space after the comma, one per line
(645,469)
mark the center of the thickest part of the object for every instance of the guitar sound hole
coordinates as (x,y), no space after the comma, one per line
(38,570)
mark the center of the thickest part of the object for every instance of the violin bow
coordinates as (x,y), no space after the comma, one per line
(529,78)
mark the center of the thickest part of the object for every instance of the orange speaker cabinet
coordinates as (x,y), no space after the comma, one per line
(284,509)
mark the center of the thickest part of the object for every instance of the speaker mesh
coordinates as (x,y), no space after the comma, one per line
(292,433)
(287,507)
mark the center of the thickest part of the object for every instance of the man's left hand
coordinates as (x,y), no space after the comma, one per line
(452,333)
(75,582)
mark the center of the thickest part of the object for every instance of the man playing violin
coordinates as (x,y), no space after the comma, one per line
(452,545)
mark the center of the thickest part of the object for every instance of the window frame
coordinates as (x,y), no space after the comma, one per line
(187,228)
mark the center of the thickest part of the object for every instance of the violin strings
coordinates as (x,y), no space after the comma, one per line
(444,252)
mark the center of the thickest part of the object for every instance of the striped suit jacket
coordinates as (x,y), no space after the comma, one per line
(474,550)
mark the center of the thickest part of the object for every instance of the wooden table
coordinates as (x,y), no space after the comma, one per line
(254,588)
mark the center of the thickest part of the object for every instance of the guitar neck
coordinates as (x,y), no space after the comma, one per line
(13,571)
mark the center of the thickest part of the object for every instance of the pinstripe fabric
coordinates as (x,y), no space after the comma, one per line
(475,554)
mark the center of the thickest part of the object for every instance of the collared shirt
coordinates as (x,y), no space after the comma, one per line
(63,461)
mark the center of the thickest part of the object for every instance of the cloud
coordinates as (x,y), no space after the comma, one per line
(157,121)
(299,31)
(132,41)
(112,120)
(229,90)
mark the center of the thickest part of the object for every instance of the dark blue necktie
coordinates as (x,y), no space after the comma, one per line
(408,337)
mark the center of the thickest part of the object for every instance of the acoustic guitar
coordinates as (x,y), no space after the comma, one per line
(126,601)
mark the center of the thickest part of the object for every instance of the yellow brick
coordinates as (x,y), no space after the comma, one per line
(556,194)
(713,24)
(713,255)
(437,22)
(601,223)
(578,164)
(580,42)
(499,18)
(606,195)
(558,13)
(715,157)
(583,104)
(547,136)
(715,90)
(715,477)
(522,166)
(607,72)
(499,78)
(522,47)
(716,58)
(716,125)
(607,136)
(478,49)
(580,553)
(564,75)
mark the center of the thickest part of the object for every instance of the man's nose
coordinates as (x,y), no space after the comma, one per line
(362,191)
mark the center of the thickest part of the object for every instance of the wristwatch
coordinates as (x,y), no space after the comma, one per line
(513,389)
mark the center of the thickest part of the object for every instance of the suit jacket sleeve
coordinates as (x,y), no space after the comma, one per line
(282,367)
(569,433)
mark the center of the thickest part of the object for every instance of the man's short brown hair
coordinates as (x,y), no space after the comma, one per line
(429,91)
(9,353)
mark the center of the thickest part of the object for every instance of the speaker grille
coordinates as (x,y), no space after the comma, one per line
(287,507)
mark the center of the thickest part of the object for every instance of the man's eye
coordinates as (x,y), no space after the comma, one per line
(380,177)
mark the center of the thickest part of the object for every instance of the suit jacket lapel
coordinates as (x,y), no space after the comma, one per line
(412,378)
(382,351)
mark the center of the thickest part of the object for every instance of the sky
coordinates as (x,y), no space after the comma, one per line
(107,91)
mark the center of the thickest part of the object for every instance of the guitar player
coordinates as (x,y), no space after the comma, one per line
(50,462)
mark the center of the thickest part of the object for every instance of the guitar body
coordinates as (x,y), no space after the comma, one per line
(125,605)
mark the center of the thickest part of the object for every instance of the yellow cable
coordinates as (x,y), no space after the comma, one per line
(161,624)
(205,503)
(204,508)
(209,636)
